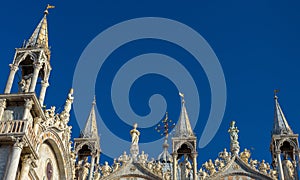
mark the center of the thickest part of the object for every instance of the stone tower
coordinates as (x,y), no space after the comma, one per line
(33,60)
(87,148)
(284,146)
(184,147)
(34,143)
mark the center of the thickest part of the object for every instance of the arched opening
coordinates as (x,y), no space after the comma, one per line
(287,149)
(49,152)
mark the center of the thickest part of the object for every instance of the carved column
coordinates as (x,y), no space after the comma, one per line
(36,70)
(280,170)
(194,156)
(10,80)
(26,162)
(43,92)
(14,161)
(27,107)
(2,107)
(92,167)
(174,166)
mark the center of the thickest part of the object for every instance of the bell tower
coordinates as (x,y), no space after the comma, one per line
(33,61)
(184,147)
(284,146)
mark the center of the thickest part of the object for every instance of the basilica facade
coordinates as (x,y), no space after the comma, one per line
(35,142)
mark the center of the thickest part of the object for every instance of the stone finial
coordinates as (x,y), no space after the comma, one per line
(234,144)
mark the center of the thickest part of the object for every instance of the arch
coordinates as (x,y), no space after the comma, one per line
(287,140)
(252,176)
(54,141)
(189,145)
(88,144)
(29,54)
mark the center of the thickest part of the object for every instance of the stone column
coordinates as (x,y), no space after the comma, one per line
(27,107)
(98,158)
(26,162)
(92,167)
(280,170)
(43,92)
(11,170)
(174,166)
(298,161)
(297,168)
(36,70)
(2,107)
(194,156)
(10,80)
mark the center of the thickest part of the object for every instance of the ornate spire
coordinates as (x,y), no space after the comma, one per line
(183,127)
(165,156)
(90,129)
(281,125)
(39,38)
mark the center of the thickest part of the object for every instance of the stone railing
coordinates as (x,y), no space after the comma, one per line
(13,127)
(19,128)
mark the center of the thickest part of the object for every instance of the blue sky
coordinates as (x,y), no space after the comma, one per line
(256,42)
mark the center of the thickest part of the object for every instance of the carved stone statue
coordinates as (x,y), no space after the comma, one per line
(69,102)
(78,169)
(85,169)
(158,169)
(273,174)
(245,155)
(185,168)
(288,169)
(143,157)
(150,164)
(209,165)
(106,169)
(234,144)
(25,82)
(264,167)
(124,158)
(253,163)
(97,173)
(225,155)
(116,165)
(202,174)
(63,118)
(219,163)
(167,175)
(233,131)
(134,134)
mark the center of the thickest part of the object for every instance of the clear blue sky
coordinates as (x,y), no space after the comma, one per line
(257,43)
